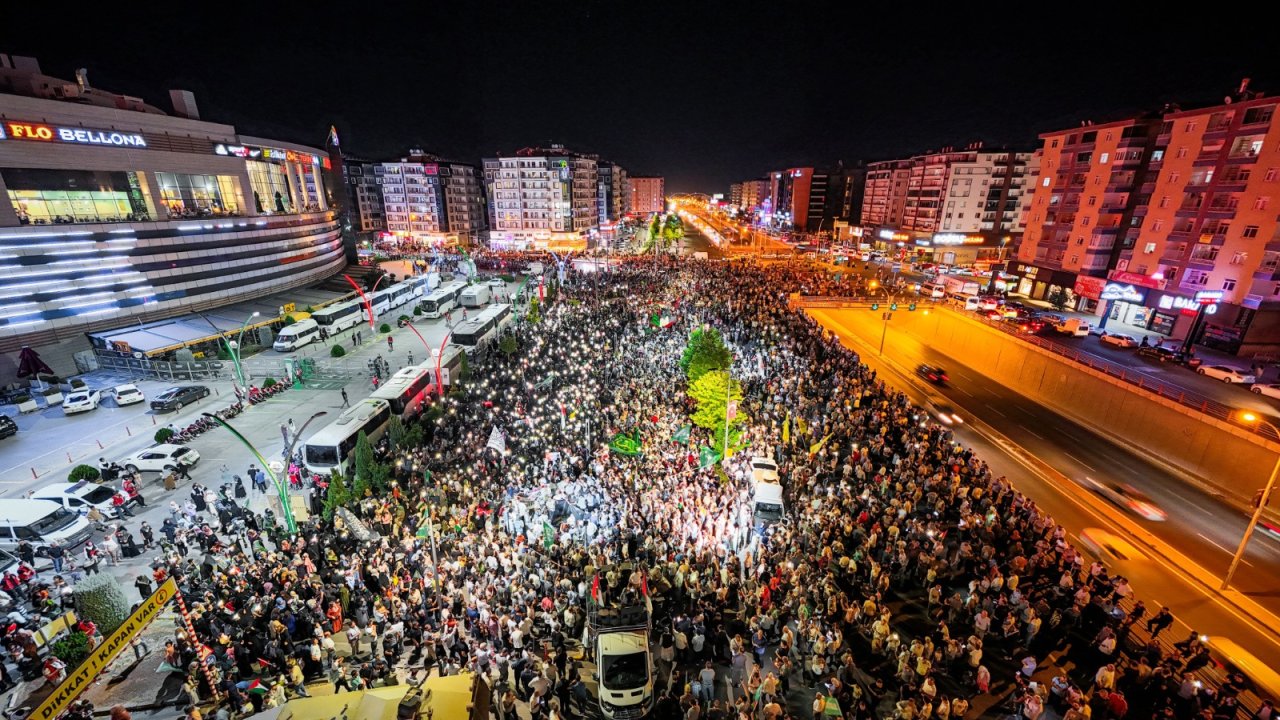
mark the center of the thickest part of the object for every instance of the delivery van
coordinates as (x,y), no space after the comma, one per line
(475,296)
(40,523)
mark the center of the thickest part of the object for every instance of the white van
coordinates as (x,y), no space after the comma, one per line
(41,522)
(475,296)
(934,290)
(296,335)
(1074,327)
(965,300)
(80,496)
(767,506)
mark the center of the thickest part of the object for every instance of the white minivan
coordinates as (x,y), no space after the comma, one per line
(475,296)
(296,335)
(40,523)
(934,290)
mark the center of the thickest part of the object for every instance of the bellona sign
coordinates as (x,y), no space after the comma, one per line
(16,130)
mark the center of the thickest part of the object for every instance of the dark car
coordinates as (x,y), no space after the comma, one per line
(1156,352)
(933,374)
(8,427)
(176,397)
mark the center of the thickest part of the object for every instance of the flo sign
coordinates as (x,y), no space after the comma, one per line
(1118,291)
(39,132)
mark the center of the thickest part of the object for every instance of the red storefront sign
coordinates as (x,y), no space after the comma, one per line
(1123,276)
(1090,287)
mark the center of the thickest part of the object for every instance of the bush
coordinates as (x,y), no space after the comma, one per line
(77,384)
(101,599)
(288,320)
(163,435)
(337,351)
(404,318)
(19,399)
(268,383)
(507,277)
(223,353)
(386,328)
(51,392)
(417,310)
(85,472)
(72,649)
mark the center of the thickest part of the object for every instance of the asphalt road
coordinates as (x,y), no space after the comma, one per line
(1199,525)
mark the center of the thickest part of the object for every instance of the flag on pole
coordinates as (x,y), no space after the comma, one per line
(544,383)
(625,444)
(548,535)
(707,457)
(814,448)
(731,411)
(497,441)
(595,589)
(682,435)
(786,429)
(333,135)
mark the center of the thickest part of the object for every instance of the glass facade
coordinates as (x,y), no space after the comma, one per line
(198,195)
(55,197)
(271,191)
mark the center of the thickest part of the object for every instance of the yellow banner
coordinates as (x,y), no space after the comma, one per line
(82,677)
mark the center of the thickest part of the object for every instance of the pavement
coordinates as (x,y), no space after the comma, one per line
(1200,526)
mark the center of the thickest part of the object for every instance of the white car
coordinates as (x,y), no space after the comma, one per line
(497,282)
(1227,374)
(127,395)
(943,413)
(161,459)
(79,401)
(1268,389)
(1119,340)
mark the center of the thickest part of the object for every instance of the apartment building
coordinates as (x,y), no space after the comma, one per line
(365,194)
(648,194)
(754,193)
(542,198)
(613,196)
(885,195)
(429,200)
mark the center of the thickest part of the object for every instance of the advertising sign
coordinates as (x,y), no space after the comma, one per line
(39,132)
(1090,287)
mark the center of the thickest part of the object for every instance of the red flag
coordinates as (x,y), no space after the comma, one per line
(595,588)
(644,585)
(539,289)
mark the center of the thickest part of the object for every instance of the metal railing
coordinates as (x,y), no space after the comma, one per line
(163,369)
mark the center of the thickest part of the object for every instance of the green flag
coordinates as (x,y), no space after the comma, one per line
(831,707)
(707,457)
(682,435)
(548,535)
(625,444)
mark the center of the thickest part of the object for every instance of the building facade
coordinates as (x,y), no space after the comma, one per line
(542,199)
(613,196)
(754,195)
(114,212)
(885,195)
(365,193)
(648,194)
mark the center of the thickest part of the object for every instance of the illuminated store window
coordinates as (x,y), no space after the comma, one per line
(58,197)
(271,192)
(198,195)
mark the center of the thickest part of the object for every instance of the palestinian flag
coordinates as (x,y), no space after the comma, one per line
(660,320)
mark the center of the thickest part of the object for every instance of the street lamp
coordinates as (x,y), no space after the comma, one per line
(1251,418)
(288,451)
(289,522)
(235,356)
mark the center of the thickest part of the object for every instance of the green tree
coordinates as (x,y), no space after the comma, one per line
(508,344)
(704,353)
(337,351)
(84,472)
(534,315)
(1058,299)
(711,394)
(363,466)
(101,599)
(337,495)
(396,431)
(163,435)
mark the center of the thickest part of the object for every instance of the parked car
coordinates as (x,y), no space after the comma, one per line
(1025,325)
(80,496)
(1268,389)
(1129,498)
(81,401)
(8,428)
(1158,352)
(1074,327)
(161,458)
(176,397)
(1227,374)
(1119,340)
(933,374)
(497,282)
(127,395)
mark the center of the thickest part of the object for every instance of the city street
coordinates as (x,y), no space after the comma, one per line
(1199,525)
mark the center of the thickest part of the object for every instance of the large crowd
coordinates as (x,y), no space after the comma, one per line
(906,580)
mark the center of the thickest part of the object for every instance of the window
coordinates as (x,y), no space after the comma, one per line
(1093,200)
(1261,203)
(1053,143)
(1079,241)
(1164,201)
(1157,155)
(1149,248)
(1191,126)
(1075,259)
(1228,284)
(271,191)
(1272,175)
(1104,157)
(1084,157)
(48,197)
(1157,226)
(1182,152)
(1250,231)
(1045,181)
(1238,258)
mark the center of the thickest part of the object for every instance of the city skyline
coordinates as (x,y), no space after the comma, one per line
(702,97)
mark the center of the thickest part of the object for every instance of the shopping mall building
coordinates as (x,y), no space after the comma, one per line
(113,212)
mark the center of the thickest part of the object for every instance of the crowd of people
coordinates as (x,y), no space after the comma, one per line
(906,580)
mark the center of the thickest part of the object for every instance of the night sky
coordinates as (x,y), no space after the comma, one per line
(703,93)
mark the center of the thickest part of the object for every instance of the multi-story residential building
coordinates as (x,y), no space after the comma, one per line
(466,214)
(542,198)
(1087,198)
(429,200)
(789,193)
(835,198)
(613,194)
(754,193)
(365,195)
(735,195)
(885,195)
(134,215)
(648,194)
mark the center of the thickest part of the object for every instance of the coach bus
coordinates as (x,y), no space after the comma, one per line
(340,316)
(442,299)
(476,334)
(332,447)
(407,388)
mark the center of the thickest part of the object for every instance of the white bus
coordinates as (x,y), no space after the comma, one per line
(381,301)
(476,333)
(332,447)
(475,296)
(294,336)
(426,283)
(442,299)
(402,293)
(341,316)
(405,390)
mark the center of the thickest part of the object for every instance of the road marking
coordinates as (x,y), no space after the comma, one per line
(966,392)
(1229,552)
(1033,432)
(1073,457)
(995,410)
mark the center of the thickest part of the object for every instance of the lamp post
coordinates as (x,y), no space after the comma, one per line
(234,352)
(439,359)
(288,451)
(1249,417)
(289,522)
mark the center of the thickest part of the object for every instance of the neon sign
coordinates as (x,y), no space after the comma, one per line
(1127,293)
(77,136)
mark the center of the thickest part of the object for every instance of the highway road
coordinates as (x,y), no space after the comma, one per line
(1199,525)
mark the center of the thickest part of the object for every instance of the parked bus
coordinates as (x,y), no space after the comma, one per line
(475,296)
(405,390)
(294,336)
(442,299)
(476,334)
(340,316)
(402,293)
(426,283)
(381,301)
(332,447)
(450,366)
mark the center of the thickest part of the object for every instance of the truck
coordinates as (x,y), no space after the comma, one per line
(619,625)
(959,285)
(767,506)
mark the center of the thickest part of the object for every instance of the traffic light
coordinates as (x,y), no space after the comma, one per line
(875,306)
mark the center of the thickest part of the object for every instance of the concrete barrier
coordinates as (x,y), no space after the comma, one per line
(1226,458)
